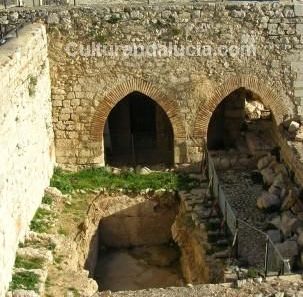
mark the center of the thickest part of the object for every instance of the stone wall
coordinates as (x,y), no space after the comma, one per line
(26,139)
(85,89)
(188,88)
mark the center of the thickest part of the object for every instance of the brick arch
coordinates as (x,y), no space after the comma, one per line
(136,85)
(268,97)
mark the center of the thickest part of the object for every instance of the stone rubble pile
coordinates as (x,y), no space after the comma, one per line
(283,198)
(201,210)
(293,129)
(255,110)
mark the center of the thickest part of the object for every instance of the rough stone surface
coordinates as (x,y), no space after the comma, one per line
(25,139)
(272,287)
(188,88)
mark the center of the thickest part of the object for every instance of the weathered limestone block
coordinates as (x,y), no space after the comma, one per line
(26,139)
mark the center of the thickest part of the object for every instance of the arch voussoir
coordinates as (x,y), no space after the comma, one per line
(169,105)
(252,83)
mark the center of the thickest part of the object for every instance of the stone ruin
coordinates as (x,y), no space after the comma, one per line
(62,105)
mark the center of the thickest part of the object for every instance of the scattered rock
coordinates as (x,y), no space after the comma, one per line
(287,222)
(145,171)
(116,171)
(268,176)
(53,192)
(288,249)
(264,162)
(53,18)
(268,200)
(293,127)
(289,200)
(258,280)
(240,283)
(25,293)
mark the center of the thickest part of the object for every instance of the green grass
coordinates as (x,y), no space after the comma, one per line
(62,231)
(74,291)
(252,272)
(39,223)
(26,280)
(100,177)
(47,200)
(28,263)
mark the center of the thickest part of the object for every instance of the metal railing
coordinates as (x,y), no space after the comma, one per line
(251,244)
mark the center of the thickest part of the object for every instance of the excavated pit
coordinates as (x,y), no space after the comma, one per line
(136,250)
(130,244)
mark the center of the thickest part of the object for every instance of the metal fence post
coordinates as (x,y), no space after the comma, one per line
(266,256)
(237,239)
(225,215)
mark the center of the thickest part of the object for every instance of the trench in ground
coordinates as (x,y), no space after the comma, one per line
(133,246)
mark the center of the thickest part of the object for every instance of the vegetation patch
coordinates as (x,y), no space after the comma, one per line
(41,221)
(47,200)
(114,19)
(100,177)
(74,291)
(26,280)
(28,263)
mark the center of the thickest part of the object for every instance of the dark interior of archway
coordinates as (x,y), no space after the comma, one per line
(138,132)
(241,122)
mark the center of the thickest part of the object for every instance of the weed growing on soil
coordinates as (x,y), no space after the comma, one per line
(26,280)
(100,177)
(28,263)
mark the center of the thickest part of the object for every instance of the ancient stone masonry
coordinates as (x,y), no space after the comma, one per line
(26,139)
(188,88)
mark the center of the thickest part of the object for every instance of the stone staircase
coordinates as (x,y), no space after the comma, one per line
(206,215)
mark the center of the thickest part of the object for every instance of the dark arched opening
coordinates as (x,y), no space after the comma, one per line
(138,132)
(241,122)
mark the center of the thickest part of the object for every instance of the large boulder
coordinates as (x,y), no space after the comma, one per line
(290,199)
(268,200)
(280,168)
(275,189)
(297,208)
(268,176)
(53,192)
(264,161)
(288,249)
(287,222)
(293,126)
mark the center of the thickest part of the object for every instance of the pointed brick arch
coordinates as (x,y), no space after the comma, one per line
(268,97)
(136,85)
